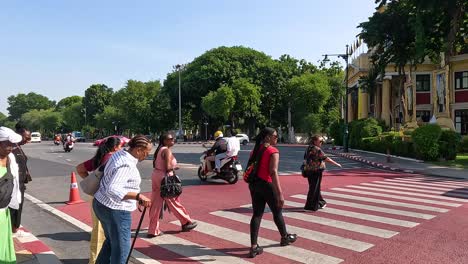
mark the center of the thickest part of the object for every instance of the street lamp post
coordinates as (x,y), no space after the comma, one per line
(178,67)
(346,131)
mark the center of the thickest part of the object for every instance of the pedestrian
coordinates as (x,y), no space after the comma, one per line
(24,178)
(10,193)
(164,163)
(103,154)
(116,198)
(314,162)
(265,188)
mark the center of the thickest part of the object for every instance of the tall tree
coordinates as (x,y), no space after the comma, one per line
(97,96)
(22,103)
(219,103)
(68,101)
(73,118)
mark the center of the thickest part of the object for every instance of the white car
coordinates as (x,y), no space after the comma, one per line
(36,137)
(243,138)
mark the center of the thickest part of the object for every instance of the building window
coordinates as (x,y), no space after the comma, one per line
(461,80)
(423,83)
(461,121)
(425,115)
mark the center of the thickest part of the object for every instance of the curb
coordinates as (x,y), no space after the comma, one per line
(371,163)
(42,253)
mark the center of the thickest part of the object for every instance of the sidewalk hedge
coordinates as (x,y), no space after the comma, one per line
(426,141)
(463,147)
(363,128)
(448,144)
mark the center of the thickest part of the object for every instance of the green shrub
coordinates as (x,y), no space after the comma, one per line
(463,147)
(363,128)
(448,144)
(337,132)
(426,141)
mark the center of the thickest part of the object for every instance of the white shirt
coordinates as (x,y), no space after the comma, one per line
(121,176)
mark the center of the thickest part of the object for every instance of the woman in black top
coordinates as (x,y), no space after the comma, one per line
(314,162)
(24,176)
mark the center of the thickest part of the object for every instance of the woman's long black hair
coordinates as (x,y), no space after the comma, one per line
(105,148)
(162,137)
(259,139)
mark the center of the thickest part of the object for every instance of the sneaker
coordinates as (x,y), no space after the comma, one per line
(189,226)
(309,210)
(21,233)
(323,206)
(288,239)
(255,251)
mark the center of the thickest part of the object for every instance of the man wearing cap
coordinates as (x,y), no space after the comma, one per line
(10,194)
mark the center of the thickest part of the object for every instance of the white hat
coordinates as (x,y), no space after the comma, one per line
(6,134)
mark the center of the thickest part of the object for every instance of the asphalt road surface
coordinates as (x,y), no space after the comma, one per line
(51,168)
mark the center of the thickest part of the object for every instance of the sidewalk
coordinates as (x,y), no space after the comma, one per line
(400,164)
(30,250)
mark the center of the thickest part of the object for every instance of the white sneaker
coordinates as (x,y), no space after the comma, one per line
(323,206)
(21,233)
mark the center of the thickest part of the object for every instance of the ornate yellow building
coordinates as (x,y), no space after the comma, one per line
(429,93)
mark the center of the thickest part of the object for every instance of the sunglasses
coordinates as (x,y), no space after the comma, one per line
(171,138)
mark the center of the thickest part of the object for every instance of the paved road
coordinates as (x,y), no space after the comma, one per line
(51,168)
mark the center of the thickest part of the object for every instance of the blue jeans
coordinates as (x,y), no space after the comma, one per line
(117,229)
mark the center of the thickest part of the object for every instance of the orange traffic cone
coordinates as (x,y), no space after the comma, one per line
(74,192)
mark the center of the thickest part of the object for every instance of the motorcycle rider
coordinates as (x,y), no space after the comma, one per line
(69,140)
(218,149)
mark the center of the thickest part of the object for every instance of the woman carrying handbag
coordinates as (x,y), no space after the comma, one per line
(164,164)
(313,167)
(104,152)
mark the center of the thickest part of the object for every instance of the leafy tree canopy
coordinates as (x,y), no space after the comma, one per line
(22,103)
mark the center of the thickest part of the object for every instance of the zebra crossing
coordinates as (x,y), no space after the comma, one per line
(358,217)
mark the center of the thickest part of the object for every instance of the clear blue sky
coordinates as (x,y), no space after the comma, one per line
(59,48)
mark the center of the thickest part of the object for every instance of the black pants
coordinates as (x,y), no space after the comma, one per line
(15,214)
(262,193)
(314,197)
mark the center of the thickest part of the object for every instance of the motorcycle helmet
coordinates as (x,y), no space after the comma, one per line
(218,134)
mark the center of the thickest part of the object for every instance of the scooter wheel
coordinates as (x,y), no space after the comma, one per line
(234,178)
(201,175)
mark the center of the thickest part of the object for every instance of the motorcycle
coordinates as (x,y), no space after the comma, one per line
(68,146)
(230,169)
(57,140)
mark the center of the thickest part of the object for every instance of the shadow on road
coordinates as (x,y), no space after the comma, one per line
(74,261)
(68,236)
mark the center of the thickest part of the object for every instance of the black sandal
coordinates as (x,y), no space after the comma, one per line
(255,251)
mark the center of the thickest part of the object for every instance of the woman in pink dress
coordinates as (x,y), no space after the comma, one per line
(164,163)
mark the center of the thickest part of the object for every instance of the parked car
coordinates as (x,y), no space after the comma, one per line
(243,138)
(36,137)
(78,136)
(123,140)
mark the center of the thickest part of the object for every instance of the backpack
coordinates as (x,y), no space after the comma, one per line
(6,187)
(232,146)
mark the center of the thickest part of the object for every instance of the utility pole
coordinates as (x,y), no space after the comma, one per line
(178,67)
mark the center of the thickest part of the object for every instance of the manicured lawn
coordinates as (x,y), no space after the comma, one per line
(460,162)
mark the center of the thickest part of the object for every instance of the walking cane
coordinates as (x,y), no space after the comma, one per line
(136,233)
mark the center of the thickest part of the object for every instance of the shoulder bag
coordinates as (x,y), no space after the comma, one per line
(90,184)
(171,186)
(251,172)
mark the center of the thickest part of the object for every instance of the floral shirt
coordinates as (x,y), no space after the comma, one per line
(315,157)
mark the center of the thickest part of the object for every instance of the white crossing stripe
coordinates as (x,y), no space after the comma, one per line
(193,250)
(368,217)
(413,189)
(270,246)
(435,181)
(387,202)
(373,208)
(378,232)
(333,240)
(408,193)
(420,183)
(448,189)
(462,182)
(398,197)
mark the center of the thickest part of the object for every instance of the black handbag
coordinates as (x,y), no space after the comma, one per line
(171,186)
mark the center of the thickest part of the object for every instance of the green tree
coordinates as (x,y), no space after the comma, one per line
(46,121)
(68,101)
(3,119)
(219,103)
(136,98)
(247,98)
(308,94)
(22,103)
(111,118)
(73,118)
(97,96)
